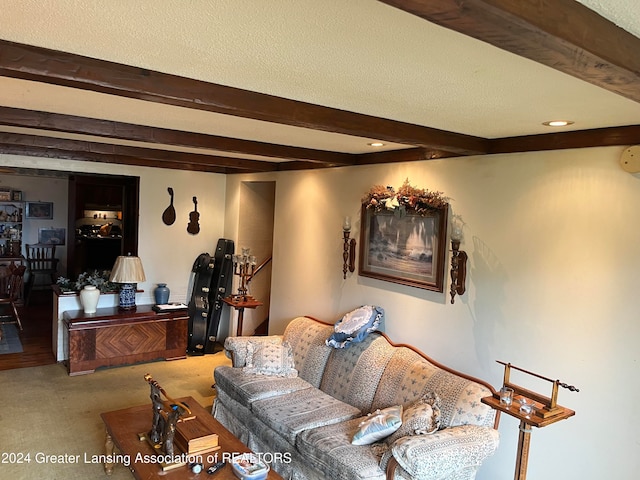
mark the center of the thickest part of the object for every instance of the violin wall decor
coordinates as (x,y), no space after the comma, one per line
(194,226)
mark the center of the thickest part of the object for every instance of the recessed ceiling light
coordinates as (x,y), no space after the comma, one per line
(376,144)
(558,123)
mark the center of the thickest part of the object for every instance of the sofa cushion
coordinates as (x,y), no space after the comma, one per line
(292,413)
(307,339)
(460,403)
(270,359)
(378,425)
(245,388)
(404,379)
(354,326)
(445,452)
(420,418)
(352,375)
(236,347)
(330,450)
(408,376)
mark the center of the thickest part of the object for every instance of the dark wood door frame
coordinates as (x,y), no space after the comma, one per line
(130,211)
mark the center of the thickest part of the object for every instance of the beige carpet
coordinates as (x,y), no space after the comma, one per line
(44,412)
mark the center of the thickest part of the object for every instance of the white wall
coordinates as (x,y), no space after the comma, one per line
(553,250)
(167,252)
(553,243)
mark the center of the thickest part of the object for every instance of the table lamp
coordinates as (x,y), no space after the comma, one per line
(128,271)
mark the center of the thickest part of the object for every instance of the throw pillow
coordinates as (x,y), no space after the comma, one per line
(378,425)
(354,326)
(270,359)
(422,417)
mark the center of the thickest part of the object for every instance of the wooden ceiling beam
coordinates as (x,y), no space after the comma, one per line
(69,70)
(18,117)
(55,154)
(597,137)
(405,155)
(20,144)
(561,34)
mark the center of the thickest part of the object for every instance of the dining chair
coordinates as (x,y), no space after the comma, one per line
(41,261)
(10,295)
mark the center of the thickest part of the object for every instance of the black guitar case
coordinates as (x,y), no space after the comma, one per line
(198,307)
(220,288)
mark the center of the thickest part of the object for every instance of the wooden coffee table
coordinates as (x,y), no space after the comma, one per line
(123,427)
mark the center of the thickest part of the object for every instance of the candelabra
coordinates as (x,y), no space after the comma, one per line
(244,266)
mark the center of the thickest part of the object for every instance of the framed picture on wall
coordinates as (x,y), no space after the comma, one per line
(52,236)
(39,210)
(409,249)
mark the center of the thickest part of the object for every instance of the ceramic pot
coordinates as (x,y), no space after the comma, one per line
(89,297)
(161,294)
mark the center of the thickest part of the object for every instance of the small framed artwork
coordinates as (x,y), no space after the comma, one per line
(409,249)
(16,195)
(52,236)
(39,210)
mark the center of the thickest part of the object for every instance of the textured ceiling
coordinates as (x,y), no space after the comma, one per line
(624,13)
(360,56)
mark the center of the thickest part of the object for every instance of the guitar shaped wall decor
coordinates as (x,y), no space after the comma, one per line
(169,215)
(194,227)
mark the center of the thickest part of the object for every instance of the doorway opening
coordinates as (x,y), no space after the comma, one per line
(255,231)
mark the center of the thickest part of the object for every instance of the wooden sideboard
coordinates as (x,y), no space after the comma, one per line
(113,337)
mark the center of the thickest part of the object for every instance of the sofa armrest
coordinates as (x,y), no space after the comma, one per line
(236,347)
(435,456)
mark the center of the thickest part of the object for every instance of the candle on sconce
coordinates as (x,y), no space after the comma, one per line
(456,228)
(346,225)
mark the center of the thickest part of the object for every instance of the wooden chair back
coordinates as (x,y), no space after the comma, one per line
(10,294)
(41,258)
(13,283)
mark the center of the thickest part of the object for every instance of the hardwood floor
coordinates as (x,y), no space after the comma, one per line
(36,337)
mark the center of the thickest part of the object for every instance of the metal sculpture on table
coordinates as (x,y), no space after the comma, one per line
(166,414)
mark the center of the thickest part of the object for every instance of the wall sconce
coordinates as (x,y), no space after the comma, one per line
(349,253)
(458,260)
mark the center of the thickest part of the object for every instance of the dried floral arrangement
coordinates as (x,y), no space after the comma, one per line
(407,199)
(98,278)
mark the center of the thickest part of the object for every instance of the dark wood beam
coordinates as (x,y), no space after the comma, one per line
(295,165)
(50,153)
(39,146)
(405,155)
(597,137)
(561,34)
(18,117)
(60,68)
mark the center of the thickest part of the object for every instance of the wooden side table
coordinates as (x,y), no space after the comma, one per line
(240,303)
(535,419)
(113,337)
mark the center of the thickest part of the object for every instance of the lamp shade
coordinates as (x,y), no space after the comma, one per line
(127,270)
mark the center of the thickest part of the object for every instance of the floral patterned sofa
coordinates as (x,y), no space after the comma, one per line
(304,419)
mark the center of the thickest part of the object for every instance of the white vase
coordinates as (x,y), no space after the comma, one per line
(89,297)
